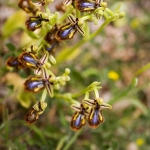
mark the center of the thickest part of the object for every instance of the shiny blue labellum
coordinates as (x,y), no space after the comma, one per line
(30,59)
(14,63)
(77,122)
(95,119)
(32,25)
(65,33)
(87,5)
(34,84)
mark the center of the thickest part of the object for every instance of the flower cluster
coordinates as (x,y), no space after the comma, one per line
(89,110)
(51,31)
(43,77)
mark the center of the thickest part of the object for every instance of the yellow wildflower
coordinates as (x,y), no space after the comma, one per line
(113,75)
(135,23)
(140,141)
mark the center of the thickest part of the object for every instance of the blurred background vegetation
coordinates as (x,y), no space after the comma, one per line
(118,58)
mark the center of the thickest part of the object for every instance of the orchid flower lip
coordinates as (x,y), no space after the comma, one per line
(34,23)
(95,117)
(13,62)
(31,116)
(27,6)
(87,6)
(78,120)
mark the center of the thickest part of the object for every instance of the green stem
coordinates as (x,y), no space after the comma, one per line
(78,13)
(87,30)
(141,70)
(80,93)
(51,73)
(96,92)
(109,12)
(86,17)
(40,47)
(43,97)
(38,43)
(71,140)
(88,89)
(47,9)
(86,95)
(67,97)
(65,15)
(61,143)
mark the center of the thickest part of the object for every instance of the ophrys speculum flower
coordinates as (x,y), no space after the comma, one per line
(30,60)
(35,22)
(79,117)
(36,83)
(95,116)
(87,6)
(67,31)
(33,114)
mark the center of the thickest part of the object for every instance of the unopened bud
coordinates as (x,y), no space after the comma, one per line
(103,4)
(52,60)
(121,14)
(67,78)
(57,86)
(81,22)
(67,71)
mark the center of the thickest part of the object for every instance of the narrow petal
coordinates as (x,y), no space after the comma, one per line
(98,1)
(105,105)
(44,59)
(76,107)
(67,2)
(45,74)
(49,89)
(37,3)
(37,71)
(72,19)
(80,30)
(90,102)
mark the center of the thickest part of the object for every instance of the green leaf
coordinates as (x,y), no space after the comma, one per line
(125,92)
(31,34)
(90,71)
(67,54)
(11,46)
(62,142)
(139,104)
(72,140)
(135,82)
(39,133)
(13,23)
(25,99)
(117,9)
(144,68)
